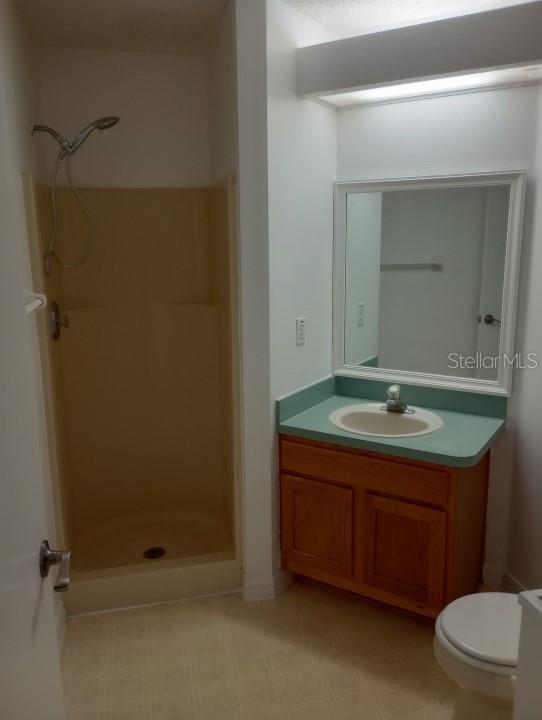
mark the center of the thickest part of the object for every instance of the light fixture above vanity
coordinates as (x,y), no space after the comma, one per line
(435,87)
(493,49)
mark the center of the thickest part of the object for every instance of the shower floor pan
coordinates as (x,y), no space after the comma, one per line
(124,541)
(110,570)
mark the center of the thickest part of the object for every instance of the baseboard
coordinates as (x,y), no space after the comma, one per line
(497,578)
(512,584)
(266,588)
(263,589)
(282,581)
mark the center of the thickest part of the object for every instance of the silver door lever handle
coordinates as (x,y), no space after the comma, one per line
(61,558)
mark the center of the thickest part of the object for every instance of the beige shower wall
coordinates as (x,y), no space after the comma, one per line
(143,373)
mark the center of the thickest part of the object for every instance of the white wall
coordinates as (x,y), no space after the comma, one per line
(363,242)
(302,164)
(257,441)
(221,88)
(460,133)
(302,142)
(162,139)
(525,546)
(286,262)
(494,130)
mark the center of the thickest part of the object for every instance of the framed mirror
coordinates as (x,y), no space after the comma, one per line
(425,279)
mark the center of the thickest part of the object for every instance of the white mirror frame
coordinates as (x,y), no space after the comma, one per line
(503,384)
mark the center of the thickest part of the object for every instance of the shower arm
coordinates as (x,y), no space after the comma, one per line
(64,144)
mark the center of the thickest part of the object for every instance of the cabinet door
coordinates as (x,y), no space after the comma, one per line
(316,521)
(405,546)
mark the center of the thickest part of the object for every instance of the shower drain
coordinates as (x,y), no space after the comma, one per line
(154,553)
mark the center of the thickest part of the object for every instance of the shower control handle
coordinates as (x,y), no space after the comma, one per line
(62,558)
(57,320)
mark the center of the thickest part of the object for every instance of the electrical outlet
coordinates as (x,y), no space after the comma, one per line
(300,331)
(361,314)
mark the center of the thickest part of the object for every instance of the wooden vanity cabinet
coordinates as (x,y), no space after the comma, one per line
(403,532)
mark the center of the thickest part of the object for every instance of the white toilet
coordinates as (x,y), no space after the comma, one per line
(476,644)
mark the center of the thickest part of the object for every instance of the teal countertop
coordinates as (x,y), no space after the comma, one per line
(461,442)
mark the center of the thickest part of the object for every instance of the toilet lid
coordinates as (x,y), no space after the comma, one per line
(484,626)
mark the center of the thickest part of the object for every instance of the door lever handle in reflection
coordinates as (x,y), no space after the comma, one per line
(489,319)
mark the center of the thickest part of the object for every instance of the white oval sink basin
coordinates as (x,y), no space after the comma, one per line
(371,419)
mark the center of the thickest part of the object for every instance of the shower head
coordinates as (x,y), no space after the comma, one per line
(108,122)
(102,124)
(68,148)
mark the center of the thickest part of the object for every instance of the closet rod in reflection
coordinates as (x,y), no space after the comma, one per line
(434,266)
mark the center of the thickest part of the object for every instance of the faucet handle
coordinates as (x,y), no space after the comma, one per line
(394,392)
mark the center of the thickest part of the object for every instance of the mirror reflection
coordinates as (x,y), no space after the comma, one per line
(424,279)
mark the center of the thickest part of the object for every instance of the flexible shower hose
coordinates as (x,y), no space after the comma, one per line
(50,251)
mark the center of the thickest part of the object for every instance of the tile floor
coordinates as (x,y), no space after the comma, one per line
(310,654)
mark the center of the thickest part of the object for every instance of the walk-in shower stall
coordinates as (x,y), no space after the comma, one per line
(132,235)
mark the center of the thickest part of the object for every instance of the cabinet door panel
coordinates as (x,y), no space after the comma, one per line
(405,549)
(316,526)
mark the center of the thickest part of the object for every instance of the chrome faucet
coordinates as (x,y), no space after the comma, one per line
(394,402)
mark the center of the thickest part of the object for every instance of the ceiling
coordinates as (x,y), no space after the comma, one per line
(359,17)
(165,26)
(185,26)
